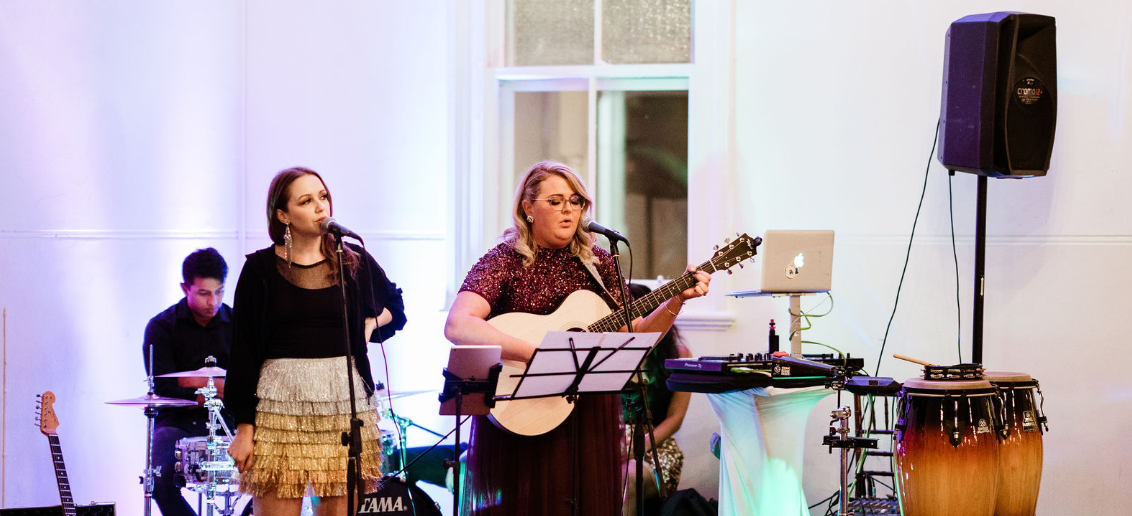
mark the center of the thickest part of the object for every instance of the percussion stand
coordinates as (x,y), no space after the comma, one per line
(838,437)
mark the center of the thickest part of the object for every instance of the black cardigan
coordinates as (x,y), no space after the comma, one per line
(250,336)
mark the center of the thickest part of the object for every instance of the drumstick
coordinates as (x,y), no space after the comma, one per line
(910,359)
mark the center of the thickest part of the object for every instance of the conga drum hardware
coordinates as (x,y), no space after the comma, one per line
(954,372)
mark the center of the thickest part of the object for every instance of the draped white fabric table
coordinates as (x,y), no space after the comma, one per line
(760,459)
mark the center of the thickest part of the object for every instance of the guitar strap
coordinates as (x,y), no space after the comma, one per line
(597,277)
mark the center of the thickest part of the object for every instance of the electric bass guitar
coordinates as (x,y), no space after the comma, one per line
(584,310)
(47,424)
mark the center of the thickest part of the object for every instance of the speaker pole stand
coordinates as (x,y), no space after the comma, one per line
(980,271)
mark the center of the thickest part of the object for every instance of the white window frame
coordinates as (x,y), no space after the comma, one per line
(481,181)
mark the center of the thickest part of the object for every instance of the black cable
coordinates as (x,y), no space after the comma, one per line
(955,256)
(896,303)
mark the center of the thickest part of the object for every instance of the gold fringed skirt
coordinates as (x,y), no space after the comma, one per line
(304,406)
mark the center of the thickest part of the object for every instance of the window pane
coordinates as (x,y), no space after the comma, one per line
(550,126)
(646,31)
(643,176)
(550,32)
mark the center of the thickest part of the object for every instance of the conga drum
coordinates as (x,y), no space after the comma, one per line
(946,448)
(1020,452)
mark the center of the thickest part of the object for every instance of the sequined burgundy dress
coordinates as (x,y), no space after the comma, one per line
(516,475)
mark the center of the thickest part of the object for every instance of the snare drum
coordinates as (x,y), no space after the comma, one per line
(946,448)
(195,461)
(1020,452)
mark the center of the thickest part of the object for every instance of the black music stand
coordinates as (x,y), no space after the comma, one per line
(572,363)
(472,371)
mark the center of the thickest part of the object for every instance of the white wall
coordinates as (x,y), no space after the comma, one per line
(834,110)
(132,133)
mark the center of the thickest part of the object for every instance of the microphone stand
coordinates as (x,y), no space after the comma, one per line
(352,438)
(643,414)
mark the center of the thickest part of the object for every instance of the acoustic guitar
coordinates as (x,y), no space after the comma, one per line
(584,310)
(47,424)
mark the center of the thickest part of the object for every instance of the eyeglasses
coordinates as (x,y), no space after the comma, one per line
(556,201)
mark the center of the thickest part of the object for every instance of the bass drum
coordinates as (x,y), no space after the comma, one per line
(398,498)
(1020,453)
(946,448)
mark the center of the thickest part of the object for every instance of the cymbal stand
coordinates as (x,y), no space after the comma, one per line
(218,460)
(403,424)
(148,475)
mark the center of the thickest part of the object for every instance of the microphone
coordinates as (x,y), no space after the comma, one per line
(588,224)
(329,225)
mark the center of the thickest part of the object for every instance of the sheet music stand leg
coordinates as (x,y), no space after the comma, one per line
(455,388)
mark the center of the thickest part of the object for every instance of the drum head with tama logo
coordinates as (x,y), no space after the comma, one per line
(398,498)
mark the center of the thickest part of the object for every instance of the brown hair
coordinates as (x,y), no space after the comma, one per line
(278,195)
(520,235)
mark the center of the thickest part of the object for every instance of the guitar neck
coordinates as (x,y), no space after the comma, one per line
(61,476)
(647,303)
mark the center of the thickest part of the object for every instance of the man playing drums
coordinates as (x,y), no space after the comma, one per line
(182,336)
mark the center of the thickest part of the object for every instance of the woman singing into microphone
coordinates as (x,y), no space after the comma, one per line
(287,386)
(544,258)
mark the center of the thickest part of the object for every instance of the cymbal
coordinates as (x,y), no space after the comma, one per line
(204,372)
(403,394)
(153,400)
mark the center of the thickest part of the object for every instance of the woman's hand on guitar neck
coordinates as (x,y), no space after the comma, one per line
(700,289)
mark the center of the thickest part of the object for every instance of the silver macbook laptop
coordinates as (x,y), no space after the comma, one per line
(797,261)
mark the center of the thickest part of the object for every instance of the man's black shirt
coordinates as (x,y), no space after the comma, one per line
(181,344)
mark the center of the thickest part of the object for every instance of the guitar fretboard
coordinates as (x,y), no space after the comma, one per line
(647,303)
(61,476)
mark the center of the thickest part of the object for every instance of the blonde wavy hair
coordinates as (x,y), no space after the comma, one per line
(520,235)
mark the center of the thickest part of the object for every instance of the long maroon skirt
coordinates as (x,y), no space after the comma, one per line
(579,462)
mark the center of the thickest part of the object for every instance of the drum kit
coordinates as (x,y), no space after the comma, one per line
(968,442)
(202,462)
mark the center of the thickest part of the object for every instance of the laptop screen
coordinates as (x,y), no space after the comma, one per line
(797,261)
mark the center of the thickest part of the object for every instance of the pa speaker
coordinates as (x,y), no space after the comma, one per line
(999,104)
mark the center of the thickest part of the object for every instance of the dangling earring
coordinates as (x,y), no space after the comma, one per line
(287,242)
(530,219)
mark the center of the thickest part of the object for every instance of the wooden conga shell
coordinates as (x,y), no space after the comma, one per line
(934,477)
(1020,452)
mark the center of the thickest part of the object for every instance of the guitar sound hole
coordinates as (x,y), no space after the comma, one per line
(579,330)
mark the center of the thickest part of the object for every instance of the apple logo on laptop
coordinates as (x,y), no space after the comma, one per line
(793,268)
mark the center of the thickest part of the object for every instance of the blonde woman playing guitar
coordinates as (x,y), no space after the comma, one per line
(539,264)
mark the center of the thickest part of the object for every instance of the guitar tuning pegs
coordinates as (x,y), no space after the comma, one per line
(727,240)
(740,265)
(729,272)
(752,259)
(716,248)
